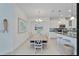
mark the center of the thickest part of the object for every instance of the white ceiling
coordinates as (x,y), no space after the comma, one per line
(47,10)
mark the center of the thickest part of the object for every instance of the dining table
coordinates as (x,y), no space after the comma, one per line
(38,40)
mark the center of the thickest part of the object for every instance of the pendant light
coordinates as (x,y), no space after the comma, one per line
(72,16)
(38,19)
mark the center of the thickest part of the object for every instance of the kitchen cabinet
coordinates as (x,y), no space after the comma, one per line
(63,39)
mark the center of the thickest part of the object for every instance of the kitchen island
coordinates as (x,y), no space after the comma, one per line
(68,41)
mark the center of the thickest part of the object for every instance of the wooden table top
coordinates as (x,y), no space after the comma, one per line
(39,37)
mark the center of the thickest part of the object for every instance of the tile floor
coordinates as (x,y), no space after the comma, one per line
(51,49)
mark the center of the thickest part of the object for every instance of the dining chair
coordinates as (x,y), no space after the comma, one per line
(32,44)
(44,43)
(38,45)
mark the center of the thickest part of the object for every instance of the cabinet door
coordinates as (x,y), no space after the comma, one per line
(67,41)
(60,40)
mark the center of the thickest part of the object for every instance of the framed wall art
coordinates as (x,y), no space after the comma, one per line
(22,25)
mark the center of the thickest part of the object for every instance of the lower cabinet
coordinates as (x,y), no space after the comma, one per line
(68,44)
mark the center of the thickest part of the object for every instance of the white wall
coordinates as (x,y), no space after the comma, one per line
(20,37)
(11,40)
(6,39)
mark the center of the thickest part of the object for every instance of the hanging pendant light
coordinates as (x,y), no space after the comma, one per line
(38,20)
(72,17)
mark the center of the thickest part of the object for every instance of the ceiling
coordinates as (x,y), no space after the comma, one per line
(48,10)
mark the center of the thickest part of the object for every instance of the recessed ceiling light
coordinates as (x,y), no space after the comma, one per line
(59,10)
(61,15)
(69,10)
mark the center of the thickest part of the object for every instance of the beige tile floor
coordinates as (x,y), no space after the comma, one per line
(25,49)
